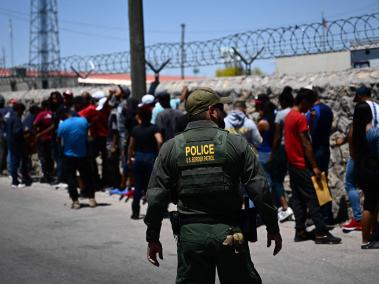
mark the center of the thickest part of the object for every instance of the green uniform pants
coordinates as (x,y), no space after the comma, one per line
(200,251)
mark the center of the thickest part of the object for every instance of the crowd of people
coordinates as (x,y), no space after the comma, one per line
(112,140)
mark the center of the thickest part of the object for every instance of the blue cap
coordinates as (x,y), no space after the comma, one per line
(362,92)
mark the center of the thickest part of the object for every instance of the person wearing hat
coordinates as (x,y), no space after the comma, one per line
(147,100)
(68,99)
(363,94)
(201,170)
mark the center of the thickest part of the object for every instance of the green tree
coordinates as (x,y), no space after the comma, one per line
(237,71)
(229,72)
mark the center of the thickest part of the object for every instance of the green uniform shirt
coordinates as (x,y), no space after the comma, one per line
(241,163)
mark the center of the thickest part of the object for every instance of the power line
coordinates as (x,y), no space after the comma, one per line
(94,35)
(97,35)
(14,13)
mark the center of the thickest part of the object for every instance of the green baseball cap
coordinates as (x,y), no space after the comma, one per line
(200,100)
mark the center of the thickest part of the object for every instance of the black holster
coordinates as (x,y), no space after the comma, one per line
(175,222)
(249,222)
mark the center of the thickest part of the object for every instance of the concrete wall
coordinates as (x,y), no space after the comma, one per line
(336,61)
(28,83)
(335,90)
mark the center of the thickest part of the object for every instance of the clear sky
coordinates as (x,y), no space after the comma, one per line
(89,27)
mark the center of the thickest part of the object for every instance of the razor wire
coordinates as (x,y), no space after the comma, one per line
(321,37)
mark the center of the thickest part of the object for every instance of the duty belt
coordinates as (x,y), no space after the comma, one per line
(185,219)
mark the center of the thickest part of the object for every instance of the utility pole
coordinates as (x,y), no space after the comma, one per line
(11,39)
(324,27)
(137,48)
(182,51)
(4,60)
(44,50)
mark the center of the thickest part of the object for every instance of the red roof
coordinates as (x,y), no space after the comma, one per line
(149,77)
(6,72)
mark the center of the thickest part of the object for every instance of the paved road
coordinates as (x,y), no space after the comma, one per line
(42,240)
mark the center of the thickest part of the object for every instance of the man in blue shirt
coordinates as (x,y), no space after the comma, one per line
(320,119)
(73,132)
(15,141)
(5,112)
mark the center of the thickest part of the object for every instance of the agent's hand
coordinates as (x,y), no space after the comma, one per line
(152,250)
(277,238)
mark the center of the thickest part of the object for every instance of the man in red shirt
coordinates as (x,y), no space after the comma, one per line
(302,166)
(44,125)
(97,117)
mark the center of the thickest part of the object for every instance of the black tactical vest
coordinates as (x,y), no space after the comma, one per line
(201,157)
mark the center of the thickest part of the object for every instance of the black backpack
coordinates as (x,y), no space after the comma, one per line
(366,172)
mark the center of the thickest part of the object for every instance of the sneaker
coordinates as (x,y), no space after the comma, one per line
(303,235)
(285,215)
(92,202)
(116,191)
(61,185)
(327,239)
(27,182)
(54,182)
(353,225)
(371,245)
(14,185)
(21,185)
(45,180)
(75,205)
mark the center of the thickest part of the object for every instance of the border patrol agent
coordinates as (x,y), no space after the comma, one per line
(204,167)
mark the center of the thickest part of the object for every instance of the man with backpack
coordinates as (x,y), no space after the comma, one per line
(238,122)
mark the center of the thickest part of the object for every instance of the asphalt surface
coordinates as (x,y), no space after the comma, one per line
(42,240)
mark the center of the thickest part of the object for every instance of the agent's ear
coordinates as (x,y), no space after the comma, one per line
(212,111)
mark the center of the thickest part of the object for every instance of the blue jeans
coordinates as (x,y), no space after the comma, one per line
(352,191)
(45,152)
(3,154)
(143,166)
(263,158)
(279,169)
(58,157)
(9,161)
(17,155)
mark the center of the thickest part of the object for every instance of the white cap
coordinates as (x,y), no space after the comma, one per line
(98,95)
(101,103)
(309,87)
(146,100)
